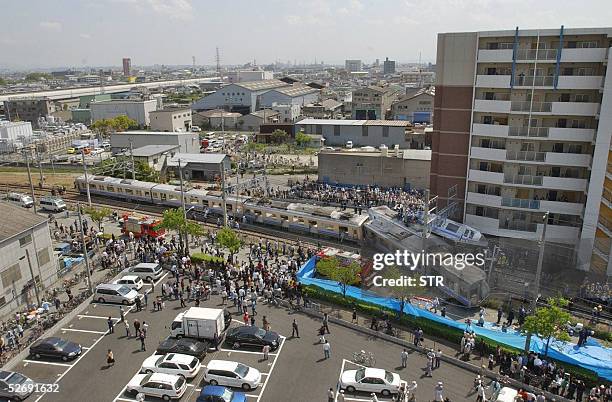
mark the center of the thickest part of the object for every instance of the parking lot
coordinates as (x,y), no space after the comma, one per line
(296,371)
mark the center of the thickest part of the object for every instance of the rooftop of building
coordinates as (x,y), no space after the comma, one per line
(264,113)
(540,32)
(430,91)
(296,90)
(16,220)
(196,158)
(261,85)
(110,101)
(173,109)
(338,122)
(218,113)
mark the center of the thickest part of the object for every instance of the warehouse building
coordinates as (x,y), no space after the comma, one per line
(187,142)
(171,119)
(405,168)
(204,167)
(362,132)
(27,257)
(241,97)
(415,108)
(296,94)
(138,110)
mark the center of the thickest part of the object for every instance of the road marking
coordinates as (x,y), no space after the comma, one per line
(48,363)
(83,330)
(346,398)
(338,383)
(230,351)
(263,387)
(96,316)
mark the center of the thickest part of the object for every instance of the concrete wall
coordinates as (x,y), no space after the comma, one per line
(188,142)
(386,171)
(270,97)
(171,120)
(224,97)
(137,110)
(12,251)
(397,135)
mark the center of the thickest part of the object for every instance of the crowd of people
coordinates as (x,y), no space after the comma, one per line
(597,292)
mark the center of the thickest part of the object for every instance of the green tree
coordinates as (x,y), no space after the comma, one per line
(145,172)
(279,136)
(103,127)
(345,275)
(98,214)
(227,237)
(174,219)
(3,81)
(403,293)
(32,77)
(302,139)
(549,321)
(123,123)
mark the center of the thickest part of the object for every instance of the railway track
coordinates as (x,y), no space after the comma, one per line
(72,197)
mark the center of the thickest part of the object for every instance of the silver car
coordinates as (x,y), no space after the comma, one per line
(15,386)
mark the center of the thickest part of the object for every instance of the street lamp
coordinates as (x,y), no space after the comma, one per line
(32,274)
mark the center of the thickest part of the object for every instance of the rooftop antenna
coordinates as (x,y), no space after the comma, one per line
(218,60)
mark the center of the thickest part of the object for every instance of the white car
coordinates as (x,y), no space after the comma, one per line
(370,380)
(232,374)
(172,363)
(131,281)
(164,386)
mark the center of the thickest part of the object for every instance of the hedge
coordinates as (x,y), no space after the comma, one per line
(433,328)
(206,258)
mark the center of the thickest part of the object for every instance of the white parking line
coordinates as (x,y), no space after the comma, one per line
(347,398)
(48,363)
(246,351)
(263,387)
(83,330)
(96,316)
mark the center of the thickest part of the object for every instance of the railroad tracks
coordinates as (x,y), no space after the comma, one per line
(72,197)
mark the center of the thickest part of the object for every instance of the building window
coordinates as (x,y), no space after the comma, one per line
(25,240)
(10,275)
(43,256)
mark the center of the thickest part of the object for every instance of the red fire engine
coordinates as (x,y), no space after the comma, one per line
(143,226)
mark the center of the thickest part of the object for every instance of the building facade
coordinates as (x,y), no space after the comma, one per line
(296,94)
(287,113)
(24,235)
(234,77)
(171,119)
(388,66)
(127,66)
(29,109)
(187,141)
(371,103)
(522,126)
(207,166)
(386,168)
(415,108)
(241,98)
(353,65)
(138,110)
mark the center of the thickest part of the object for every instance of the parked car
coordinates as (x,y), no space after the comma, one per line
(232,374)
(115,293)
(53,204)
(148,271)
(370,380)
(216,393)
(56,348)
(15,386)
(506,394)
(164,386)
(22,200)
(131,281)
(186,346)
(247,335)
(172,363)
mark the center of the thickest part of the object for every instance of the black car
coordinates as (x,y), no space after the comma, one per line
(184,346)
(252,336)
(55,347)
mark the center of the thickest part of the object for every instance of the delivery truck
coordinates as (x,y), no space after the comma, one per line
(200,323)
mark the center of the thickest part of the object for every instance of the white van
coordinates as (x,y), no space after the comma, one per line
(148,271)
(232,374)
(53,204)
(21,199)
(115,293)
(131,281)
(349,144)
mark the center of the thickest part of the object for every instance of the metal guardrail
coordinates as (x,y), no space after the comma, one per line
(528,180)
(528,132)
(526,156)
(520,203)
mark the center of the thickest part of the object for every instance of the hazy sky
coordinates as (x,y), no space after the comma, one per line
(49,33)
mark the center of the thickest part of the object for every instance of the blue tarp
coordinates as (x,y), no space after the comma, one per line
(593,356)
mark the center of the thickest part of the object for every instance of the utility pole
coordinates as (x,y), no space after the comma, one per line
(86,178)
(33,279)
(89,284)
(30,179)
(42,178)
(223,195)
(536,296)
(493,259)
(132,159)
(186,239)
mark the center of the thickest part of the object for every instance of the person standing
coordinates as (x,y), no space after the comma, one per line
(437,359)
(266,352)
(146,299)
(127,329)
(331,397)
(138,304)
(354,319)
(439,392)
(404,356)
(295,332)
(136,326)
(110,358)
(142,336)
(326,350)
(111,325)
(326,322)
(340,396)
(121,314)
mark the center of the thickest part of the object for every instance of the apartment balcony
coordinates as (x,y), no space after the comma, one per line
(552,158)
(486,177)
(484,199)
(522,230)
(534,107)
(492,81)
(606,197)
(601,247)
(490,154)
(490,130)
(605,225)
(520,203)
(556,207)
(530,132)
(491,106)
(556,183)
(533,81)
(495,55)
(575,108)
(539,55)
(591,55)
(571,134)
(526,156)
(580,82)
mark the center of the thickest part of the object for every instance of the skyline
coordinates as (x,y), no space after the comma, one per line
(84,34)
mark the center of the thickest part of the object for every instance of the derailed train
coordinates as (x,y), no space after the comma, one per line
(302,218)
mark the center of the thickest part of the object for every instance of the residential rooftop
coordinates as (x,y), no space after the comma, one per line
(17,220)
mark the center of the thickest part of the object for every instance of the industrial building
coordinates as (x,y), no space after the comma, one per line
(296,94)
(327,109)
(363,132)
(27,257)
(253,121)
(234,77)
(241,97)
(14,134)
(127,66)
(205,167)
(522,126)
(29,109)
(404,168)
(187,141)
(372,103)
(171,119)
(415,108)
(287,113)
(155,156)
(217,118)
(135,109)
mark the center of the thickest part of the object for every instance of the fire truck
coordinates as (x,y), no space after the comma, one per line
(142,226)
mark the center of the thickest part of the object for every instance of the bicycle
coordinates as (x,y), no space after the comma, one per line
(365,358)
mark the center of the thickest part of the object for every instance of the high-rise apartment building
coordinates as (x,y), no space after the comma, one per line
(353,65)
(388,66)
(127,66)
(522,125)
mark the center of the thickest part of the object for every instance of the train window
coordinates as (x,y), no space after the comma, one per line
(129,191)
(138,192)
(205,203)
(119,190)
(93,187)
(313,224)
(300,220)
(162,196)
(258,213)
(111,189)
(172,196)
(147,193)
(284,218)
(229,207)
(270,215)
(343,229)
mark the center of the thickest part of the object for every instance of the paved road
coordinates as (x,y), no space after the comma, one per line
(297,372)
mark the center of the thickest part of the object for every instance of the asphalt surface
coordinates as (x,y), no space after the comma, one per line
(295,372)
